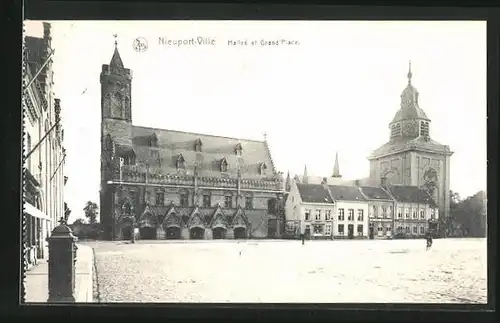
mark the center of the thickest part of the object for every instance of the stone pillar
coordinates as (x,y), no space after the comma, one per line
(160,233)
(185,233)
(230,233)
(208,234)
(62,259)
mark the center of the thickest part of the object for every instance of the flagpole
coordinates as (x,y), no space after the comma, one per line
(39,70)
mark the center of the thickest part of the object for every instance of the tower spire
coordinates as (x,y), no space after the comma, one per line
(409,72)
(305,179)
(336,168)
(116,60)
(288,182)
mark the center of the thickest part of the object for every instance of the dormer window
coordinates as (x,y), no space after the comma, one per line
(262,168)
(153,144)
(153,141)
(238,149)
(180,162)
(223,165)
(198,145)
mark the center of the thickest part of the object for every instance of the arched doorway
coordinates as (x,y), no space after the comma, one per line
(127,232)
(240,233)
(197,233)
(219,233)
(147,233)
(173,233)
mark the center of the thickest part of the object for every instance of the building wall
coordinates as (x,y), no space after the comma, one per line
(346,205)
(419,223)
(292,203)
(381,222)
(325,225)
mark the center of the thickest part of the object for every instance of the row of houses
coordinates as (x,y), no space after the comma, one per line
(338,209)
(44,152)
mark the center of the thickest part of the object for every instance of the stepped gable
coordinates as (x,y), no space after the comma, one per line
(314,193)
(170,144)
(346,193)
(411,194)
(375,193)
(35,51)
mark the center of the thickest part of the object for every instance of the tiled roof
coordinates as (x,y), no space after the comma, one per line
(346,193)
(375,193)
(411,194)
(330,180)
(314,193)
(172,143)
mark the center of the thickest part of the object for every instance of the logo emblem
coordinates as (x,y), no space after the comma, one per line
(140,44)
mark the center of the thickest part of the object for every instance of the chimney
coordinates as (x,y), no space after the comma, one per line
(46,31)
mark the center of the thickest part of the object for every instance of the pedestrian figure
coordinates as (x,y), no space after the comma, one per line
(302,232)
(429,242)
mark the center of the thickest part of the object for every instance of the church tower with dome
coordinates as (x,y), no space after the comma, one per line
(411,157)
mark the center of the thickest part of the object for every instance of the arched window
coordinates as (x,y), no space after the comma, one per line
(127,108)
(262,168)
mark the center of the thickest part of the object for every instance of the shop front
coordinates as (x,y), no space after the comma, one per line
(36,231)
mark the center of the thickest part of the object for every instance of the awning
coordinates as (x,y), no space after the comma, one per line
(33,211)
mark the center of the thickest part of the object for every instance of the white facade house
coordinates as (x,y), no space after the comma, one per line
(309,210)
(351,219)
(43,140)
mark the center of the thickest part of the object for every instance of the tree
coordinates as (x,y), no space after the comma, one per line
(91,211)
(469,215)
(67,212)
(79,222)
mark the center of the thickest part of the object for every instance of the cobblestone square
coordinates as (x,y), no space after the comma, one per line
(400,271)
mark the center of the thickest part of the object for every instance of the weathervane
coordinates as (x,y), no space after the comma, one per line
(116,41)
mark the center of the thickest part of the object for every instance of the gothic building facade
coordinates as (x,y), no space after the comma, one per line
(177,185)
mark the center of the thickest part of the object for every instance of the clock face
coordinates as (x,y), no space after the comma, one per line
(409,129)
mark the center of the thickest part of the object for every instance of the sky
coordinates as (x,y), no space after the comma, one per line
(335,89)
